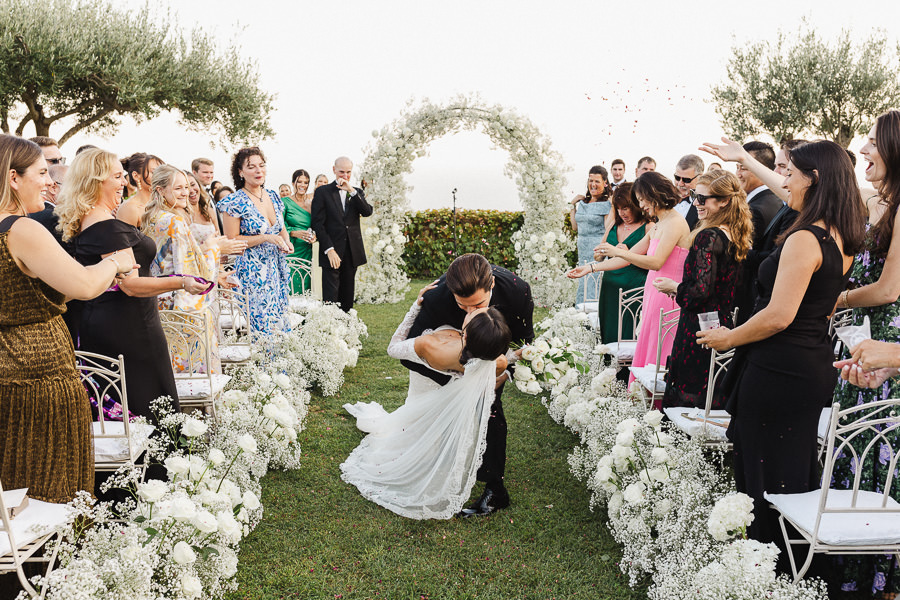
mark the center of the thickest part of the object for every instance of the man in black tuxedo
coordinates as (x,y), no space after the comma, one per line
(687,169)
(470,283)
(336,209)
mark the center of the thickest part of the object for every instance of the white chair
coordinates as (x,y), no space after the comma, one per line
(299,267)
(851,521)
(840,318)
(26,533)
(116,443)
(653,377)
(708,424)
(630,304)
(591,293)
(236,341)
(188,337)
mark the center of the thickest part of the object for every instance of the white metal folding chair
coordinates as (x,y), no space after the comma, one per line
(302,268)
(708,424)
(653,377)
(631,303)
(840,318)
(189,346)
(591,293)
(116,443)
(236,341)
(26,533)
(851,521)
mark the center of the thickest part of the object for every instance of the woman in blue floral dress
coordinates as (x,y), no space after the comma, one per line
(255,215)
(875,283)
(588,216)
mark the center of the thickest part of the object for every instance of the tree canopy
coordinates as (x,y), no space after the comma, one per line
(800,85)
(81,65)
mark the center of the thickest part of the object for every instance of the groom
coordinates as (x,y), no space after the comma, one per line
(471,283)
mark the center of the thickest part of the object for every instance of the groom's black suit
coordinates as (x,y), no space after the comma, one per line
(512,297)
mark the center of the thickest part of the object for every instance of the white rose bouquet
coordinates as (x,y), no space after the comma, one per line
(546,362)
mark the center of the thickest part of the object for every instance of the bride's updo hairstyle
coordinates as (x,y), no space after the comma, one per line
(487,335)
(468,274)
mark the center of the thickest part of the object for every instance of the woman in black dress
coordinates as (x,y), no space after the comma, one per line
(783,376)
(123,321)
(720,243)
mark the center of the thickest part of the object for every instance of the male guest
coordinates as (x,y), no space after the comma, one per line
(50,149)
(646,163)
(336,209)
(687,169)
(617,170)
(204,170)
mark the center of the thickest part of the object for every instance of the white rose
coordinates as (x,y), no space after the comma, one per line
(132,552)
(216,456)
(290,434)
(529,352)
(518,246)
(247,443)
(604,474)
(191,586)
(556,343)
(653,418)
(243,516)
(399,239)
(542,346)
(177,465)
(376,231)
(264,379)
(660,456)
(626,438)
(205,521)
(627,425)
(663,507)
(533,387)
(228,526)
(660,474)
(606,461)
(232,397)
(634,493)
(193,427)
(231,490)
(250,500)
(552,373)
(389,249)
(522,385)
(183,553)
(151,491)
(537,365)
(664,438)
(537,257)
(198,468)
(395,228)
(523,373)
(615,503)
(551,260)
(283,381)
(270,411)
(162,510)
(183,509)
(602,349)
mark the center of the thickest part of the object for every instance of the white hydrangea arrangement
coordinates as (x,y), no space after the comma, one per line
(536,168)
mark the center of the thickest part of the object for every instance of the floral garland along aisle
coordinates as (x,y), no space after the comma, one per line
(179,538)
(536,168)
(671,505)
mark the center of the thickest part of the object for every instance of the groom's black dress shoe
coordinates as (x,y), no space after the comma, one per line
(489,502)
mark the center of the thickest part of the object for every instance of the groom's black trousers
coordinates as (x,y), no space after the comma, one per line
(493,462)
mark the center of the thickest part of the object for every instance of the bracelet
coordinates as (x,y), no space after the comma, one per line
(183,281)
(112,257)
(592,267)
(847,299)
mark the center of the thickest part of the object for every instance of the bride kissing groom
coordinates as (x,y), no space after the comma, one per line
(421,461)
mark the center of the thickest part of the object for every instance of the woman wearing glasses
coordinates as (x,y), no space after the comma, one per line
(721,241)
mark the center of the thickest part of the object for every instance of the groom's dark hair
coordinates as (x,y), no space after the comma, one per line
(468,274)
(487,336)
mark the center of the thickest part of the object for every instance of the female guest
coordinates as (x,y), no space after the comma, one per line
(284,190)
(125,320)
(321,179)
(783,375)
(298,220)
(223,192)
(214,187)
(662,252)
(255,215)
(139,168)
(588,218)
(876,288)
(45,416)
(203,222)
(720,243)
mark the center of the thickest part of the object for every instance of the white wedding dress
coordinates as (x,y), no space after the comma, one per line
(420,461)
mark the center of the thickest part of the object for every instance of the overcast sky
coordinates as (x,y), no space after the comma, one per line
(601,79)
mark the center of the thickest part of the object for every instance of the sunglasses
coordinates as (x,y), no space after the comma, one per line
(701,199)
(685,179)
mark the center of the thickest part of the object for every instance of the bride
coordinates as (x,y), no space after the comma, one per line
(420,461)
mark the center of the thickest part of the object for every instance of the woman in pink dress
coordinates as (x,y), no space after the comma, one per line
(662,252)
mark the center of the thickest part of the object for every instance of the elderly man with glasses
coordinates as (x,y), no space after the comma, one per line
(688,168)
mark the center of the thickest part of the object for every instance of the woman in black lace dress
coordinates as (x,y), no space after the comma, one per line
(721,242)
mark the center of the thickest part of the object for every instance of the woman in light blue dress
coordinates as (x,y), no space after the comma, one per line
(588,217)
(256,215)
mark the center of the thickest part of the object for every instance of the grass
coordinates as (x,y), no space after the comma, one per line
(320,539)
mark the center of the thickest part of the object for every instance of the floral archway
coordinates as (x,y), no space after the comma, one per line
(535,167)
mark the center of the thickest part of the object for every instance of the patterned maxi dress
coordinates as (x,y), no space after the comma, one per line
(591,220)
(262,269)
(869,573)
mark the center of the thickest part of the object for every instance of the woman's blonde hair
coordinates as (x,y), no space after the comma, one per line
(16,154)
(82,189)
(735,216)
(163,177)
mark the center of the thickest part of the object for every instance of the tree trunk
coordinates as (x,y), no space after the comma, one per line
(844,136)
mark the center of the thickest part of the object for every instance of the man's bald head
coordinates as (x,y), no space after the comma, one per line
(343,166)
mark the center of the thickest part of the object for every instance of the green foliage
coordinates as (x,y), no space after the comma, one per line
(802,86)
(87,63)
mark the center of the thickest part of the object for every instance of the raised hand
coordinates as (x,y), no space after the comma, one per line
(428,287)
(728,150)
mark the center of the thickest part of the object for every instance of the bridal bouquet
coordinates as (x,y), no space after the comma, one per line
(546,363)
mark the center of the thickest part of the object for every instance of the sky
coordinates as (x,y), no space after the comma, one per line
(601,79)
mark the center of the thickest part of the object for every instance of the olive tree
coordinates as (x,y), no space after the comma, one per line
(81,65)
(800,85)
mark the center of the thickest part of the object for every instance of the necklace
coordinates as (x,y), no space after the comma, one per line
(254,196)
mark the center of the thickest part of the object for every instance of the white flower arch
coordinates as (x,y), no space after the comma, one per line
(535,167)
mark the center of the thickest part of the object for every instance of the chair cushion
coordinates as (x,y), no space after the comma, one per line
(648,378)
(594,320)
(234,354)
(623,350)
(824,423)
(197,387)
(46,515)
(226,321)
(678,415)
(842,529)
(302,302)
(115,449)
(587,307)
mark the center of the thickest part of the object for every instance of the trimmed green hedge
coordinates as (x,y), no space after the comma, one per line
(429,250)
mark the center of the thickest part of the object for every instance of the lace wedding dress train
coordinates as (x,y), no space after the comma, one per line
(420,461)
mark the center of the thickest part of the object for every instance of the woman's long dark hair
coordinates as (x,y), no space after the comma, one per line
(887,141)
(833,196)
(605,194)
(487,336)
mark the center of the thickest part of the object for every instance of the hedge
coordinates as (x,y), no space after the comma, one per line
(430,248)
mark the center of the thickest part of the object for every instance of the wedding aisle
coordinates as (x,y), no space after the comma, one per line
(320,539)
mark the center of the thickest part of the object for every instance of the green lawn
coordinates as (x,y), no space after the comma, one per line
(320,539)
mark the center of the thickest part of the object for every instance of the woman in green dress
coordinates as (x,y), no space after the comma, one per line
(630,228)
(297,219)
